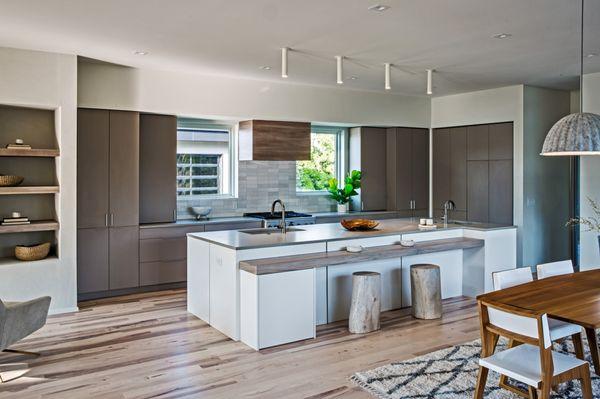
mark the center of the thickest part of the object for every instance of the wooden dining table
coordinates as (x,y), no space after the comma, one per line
(573,297)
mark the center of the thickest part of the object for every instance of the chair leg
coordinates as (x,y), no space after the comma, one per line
(545,391)
(578,345)
(586,382)
(593,343)
(532,393)
(481,381)
(20,352)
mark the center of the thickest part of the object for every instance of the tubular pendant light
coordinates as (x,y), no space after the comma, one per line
(388,84)
(340,69)
(430,81)
(575,134)
(284,62)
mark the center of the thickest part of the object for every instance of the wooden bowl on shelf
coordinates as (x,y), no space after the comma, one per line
(359,224)
(32,252)
(10,181)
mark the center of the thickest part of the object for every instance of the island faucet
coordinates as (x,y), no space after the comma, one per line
(282,226)
(448,206)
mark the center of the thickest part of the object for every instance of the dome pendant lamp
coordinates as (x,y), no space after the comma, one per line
(575,134)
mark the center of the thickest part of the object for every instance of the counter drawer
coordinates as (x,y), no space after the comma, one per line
(153,273)
(233,226)
(163,249)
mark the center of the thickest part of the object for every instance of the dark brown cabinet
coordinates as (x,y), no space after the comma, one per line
(473,167)
(408,171)
(108,200)
(368,154)
(261,140)
(158,171)
(92,260)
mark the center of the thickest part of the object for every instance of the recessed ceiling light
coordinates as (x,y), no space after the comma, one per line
(140,52)
(379,8)
(265,68)
(590,55)
(502,36)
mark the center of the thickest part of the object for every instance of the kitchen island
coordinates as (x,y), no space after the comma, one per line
(266,288)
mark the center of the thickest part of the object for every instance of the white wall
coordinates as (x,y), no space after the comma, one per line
(45,80)
(489,106)
(590,178)
(184,94)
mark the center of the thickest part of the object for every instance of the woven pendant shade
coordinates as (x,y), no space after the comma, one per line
(575,134)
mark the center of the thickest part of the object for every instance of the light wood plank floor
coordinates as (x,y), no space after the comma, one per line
(147,346)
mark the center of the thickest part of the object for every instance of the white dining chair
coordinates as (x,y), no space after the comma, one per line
(510,278)
(533,363)
(546,270)
(558,329)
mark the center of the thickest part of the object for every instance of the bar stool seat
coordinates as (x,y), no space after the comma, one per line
(366,302)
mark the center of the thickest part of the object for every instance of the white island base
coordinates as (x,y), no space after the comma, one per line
(267,307)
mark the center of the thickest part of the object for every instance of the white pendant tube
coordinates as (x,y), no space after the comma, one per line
(284,62)
(340,69)
(430,81)
(388,73)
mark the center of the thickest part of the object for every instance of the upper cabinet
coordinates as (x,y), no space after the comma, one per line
(407,171)
(261,140)
(368,154)
(158,171)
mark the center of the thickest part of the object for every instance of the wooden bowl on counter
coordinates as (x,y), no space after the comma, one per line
(359,224)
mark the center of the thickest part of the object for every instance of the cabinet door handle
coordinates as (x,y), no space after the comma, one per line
(106,219)
(174,214)
(112,219)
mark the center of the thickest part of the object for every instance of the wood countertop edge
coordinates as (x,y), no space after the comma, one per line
(322,259)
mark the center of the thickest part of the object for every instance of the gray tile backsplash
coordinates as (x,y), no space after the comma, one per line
(259,184)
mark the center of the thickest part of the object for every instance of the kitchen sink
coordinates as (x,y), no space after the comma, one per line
(269,231)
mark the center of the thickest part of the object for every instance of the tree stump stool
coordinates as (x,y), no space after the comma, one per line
(426,291)
(366,304)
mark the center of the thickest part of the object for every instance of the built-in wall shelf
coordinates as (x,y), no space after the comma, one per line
(23,190)
(37,225)
(17,152)
(11,261)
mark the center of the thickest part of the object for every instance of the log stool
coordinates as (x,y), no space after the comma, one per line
(426,291)
(366,305)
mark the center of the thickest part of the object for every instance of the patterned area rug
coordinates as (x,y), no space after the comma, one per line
(451,374)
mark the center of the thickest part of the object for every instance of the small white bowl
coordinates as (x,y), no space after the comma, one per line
(407,243)
(354,248)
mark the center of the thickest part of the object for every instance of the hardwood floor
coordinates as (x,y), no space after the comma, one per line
(147,346)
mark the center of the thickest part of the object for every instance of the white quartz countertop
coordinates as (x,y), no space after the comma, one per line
(237,239)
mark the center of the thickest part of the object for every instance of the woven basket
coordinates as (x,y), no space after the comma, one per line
(8,180)
(33,252)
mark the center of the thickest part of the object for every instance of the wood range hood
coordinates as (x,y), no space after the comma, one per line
(261,140)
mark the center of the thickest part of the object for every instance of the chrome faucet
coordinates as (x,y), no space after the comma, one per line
(448,206)
(282,226)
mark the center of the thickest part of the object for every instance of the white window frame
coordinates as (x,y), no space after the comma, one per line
(199,124)
(341,154)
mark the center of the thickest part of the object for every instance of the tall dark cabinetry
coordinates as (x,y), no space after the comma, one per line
(473,166)
(107,200)
(407,165)
(158,171)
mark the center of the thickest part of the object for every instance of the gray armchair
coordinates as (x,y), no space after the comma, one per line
(20,319)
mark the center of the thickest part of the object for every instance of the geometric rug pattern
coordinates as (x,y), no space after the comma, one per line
(452,374)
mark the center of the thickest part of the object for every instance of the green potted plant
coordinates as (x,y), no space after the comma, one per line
(342,195)
(592,223)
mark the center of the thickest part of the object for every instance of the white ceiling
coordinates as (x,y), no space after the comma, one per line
(236,37)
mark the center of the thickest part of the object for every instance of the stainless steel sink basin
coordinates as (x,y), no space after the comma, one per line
(270,231)
(465,223)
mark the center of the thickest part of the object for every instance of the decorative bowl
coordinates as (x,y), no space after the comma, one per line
(201,211)
(359,224)
(10,181)
(32,252)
